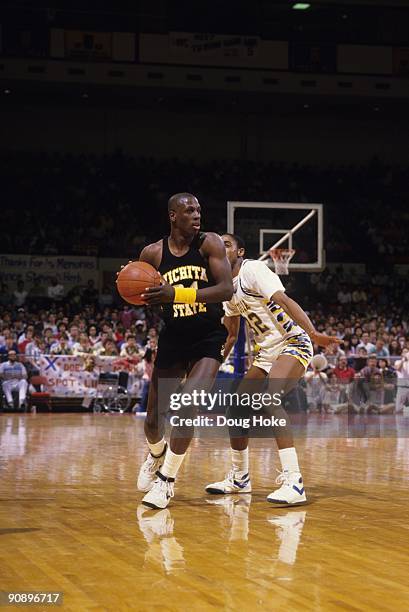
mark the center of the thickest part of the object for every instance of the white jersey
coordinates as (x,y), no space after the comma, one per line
(254,287)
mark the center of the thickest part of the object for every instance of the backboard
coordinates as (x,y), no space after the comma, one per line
(265,225)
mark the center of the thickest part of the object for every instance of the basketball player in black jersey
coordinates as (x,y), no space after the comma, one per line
(197,279)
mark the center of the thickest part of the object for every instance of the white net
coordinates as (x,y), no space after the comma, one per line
(281,258)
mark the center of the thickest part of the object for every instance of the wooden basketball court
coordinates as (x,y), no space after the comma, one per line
(71,521)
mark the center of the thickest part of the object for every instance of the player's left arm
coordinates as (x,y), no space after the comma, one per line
(269,286)
(232,324)
(213,248)
(298,315)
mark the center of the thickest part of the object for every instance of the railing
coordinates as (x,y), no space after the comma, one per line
(375,395)
(69,376)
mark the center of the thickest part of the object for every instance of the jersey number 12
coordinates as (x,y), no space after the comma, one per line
(256,324)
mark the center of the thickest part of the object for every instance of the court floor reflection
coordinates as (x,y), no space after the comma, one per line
(174,551)
(71,520)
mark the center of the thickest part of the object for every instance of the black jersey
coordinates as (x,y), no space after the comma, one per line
(189,270)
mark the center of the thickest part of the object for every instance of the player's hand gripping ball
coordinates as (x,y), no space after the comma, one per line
(159,295)
(134,279)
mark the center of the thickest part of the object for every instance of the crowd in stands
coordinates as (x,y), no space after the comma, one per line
(360,308)
(370,312)
(374,331)
(93,331)
(372,385)
(112,205)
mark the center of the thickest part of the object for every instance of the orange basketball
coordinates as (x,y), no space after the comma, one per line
(134,278)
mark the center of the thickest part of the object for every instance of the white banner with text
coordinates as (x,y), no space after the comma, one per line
(69,270)
(69,376)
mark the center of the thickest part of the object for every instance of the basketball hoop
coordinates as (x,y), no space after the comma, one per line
(281,258)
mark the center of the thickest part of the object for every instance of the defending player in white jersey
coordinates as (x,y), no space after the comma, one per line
(283,332)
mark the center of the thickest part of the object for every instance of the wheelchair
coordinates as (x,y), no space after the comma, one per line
(111,394)
(5,407)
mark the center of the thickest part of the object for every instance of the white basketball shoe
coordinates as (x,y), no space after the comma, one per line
(231,484)
(292,490)
(161,492)
(147,473)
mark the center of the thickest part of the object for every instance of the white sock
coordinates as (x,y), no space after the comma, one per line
(240,461)
(289,459)
(171,464)
(156,448)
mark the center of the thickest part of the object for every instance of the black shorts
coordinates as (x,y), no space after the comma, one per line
(174,350)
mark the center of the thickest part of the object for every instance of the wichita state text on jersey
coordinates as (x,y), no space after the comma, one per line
(194,273)
(189,270)
(175,276)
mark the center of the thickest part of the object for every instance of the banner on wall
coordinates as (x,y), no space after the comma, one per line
(306,57)
(401,61)
(216,47)
(224,50)
(96,46)
(69,270)
(67,377)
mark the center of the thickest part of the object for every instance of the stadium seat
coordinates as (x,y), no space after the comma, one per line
(39,397)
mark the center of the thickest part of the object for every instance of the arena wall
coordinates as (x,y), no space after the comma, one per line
(186,135)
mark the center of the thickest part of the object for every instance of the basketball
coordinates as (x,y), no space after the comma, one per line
(134,279)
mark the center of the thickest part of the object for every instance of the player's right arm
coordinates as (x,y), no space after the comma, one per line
(232,325)
(152,254)
(298,315)
(269,286)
